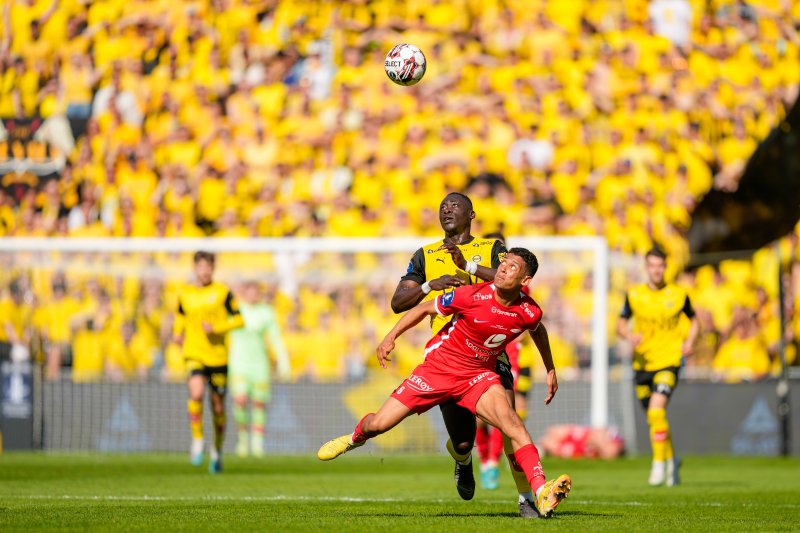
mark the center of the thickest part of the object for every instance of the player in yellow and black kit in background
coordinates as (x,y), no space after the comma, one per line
(660,344)
(207,311)
(460,259)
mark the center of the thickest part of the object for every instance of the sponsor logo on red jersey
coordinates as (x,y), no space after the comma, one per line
(416,382)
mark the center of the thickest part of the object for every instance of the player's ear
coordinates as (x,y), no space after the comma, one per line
(472,215)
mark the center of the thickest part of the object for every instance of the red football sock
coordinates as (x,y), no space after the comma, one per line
(482,443)
(358,435)
(528,459)
(495,444)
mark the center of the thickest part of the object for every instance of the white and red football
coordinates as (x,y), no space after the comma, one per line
(405,64)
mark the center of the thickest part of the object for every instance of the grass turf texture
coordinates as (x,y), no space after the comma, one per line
(366,492)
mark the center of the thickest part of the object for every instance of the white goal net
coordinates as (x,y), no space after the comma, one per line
(97,317)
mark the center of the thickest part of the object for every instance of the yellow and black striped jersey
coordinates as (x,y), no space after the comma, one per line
(656,317)
(431,262)
(215,305)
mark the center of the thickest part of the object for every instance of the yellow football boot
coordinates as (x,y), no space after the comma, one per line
(336,447)
(551,495)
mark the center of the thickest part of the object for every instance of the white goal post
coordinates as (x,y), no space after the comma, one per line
(596,246)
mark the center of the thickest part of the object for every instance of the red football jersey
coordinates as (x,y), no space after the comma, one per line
(480,328)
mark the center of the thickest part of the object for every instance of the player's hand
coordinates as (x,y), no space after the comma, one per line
(177,339)
(455,253)
(687,348)
(552,386)
(440,284)
(635,339)
(384,349)
(207,327)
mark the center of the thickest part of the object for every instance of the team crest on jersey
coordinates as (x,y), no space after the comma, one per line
(410,267)
(501,256)
(476,258)
(447,298)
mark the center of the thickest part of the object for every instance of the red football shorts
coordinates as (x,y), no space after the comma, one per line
(429,386)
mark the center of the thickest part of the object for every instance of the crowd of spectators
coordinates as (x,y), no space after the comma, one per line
(263,118)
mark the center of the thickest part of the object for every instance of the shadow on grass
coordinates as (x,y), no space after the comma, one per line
(586,513)
(451,514)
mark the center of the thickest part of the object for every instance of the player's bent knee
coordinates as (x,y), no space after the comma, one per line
(463,448)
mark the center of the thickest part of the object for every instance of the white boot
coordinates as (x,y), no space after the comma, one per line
(673,465)
(658,473)
(196,452)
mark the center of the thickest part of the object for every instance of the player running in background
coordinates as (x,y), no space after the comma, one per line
(659,347)
(488,439)
(207,310)
(249,368)
(442,266)
(459,366)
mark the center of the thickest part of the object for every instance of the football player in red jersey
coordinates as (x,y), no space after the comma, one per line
(460,366)
(440,267)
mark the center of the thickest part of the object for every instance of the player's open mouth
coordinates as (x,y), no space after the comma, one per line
(447,219)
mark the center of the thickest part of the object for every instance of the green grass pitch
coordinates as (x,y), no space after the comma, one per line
(368,491)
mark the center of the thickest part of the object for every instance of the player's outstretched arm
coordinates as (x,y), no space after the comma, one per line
(691,338)
(409,293)
(542,342)
(278,351)
(406,322)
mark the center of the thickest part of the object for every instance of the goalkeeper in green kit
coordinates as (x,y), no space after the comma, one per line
(249,368)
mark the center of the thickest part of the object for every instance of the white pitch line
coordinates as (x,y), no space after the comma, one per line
(347,499)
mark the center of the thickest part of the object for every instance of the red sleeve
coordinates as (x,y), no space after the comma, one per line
(533,314)
(454,301)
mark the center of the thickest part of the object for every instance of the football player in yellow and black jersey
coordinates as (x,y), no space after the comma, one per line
(207,311)
(460,259)
(659,346)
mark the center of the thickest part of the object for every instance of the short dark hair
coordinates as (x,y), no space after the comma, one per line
(656,251)
(462,196)
(204,256)
(531,263)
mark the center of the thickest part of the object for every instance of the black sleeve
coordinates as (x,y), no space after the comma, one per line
(230,304)
(688,310)
(416,268)
(627,312)
(498,253)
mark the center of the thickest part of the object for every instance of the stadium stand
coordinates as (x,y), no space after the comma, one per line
(263,118)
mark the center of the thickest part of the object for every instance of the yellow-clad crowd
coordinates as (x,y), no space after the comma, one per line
(237,118)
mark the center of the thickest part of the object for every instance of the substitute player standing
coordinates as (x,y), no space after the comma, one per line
(250,374)
(658,351)
(459,367)
(207,311)
(442,266)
